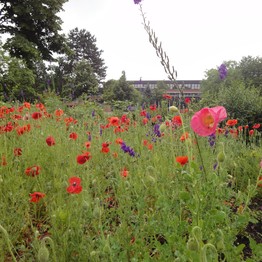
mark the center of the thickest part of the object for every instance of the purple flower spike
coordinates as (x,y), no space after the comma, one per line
(137,1)
(222,71)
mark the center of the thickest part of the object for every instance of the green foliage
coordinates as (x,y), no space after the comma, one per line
(244,104)
(17,80)
(33,28)
(120,90)
(239,92)
(83,48)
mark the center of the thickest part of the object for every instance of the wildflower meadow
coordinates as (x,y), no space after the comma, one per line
(155,182)
(158,183)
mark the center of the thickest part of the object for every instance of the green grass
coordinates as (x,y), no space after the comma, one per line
(161,211)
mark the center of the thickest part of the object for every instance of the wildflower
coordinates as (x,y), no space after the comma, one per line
(124,172)
(73,136)
(81,159)
(36,115)
(75,185)
(182,160)
(251,132)
(119,141)
(231,122)
(157,130)
(152,107)
(187,100)
(4,162)
(205,121)
(59,112)
(18,151)
(184,136)
(32,171)
(222,70)
(114,121)
(256,126)
(128,149)
(212,139)
(145,121)
(105,148)
(259,181)
(176,120)
(167,97)
(143,113)
(137,2)
(50,141)
(173,109)
(27,105)
(87,144)
(36,196)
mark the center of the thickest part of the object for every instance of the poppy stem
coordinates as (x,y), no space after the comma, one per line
(9,244)
(200,155)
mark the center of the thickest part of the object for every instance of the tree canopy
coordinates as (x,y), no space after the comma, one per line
(33,28)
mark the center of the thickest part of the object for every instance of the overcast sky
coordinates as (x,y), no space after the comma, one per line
(197,35)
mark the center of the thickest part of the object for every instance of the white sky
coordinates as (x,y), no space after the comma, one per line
(197,35)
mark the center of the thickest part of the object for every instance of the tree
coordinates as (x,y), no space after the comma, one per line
(120,90)
(82,80)
(33,27)
(240,92)
(83,47)
(251,71)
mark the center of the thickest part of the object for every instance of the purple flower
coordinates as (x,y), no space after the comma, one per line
(156,130)
(128,149)
(137,1)
(222,71)
(212,139)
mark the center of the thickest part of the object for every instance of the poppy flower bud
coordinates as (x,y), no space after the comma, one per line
(162,127)
(221,157)
(43,253)
(173,109)
(192,244)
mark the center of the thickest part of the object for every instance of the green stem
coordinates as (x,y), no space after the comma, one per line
(8,242)
(201,159)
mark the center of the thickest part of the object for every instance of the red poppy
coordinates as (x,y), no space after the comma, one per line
(114,121)
(124,172)
(40,106)
(145,121)
(119,141)
(81,159)
(187,100)
(59,112)
(231,122)
(105,148)
(260,181)
(143,113)
(36,115)
(32,171)
(166,96)
(251,132)
(36,196)
(182,160)
(27,105)
(177,120)
(152,107)
(18,151)
(4,162)
(184,136)
(87,144)
(50,141)
(75,185)
(256,126)
(73,136)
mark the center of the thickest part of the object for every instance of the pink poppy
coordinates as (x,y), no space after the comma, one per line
(205,121)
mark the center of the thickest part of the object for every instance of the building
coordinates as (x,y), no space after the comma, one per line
(191,88)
